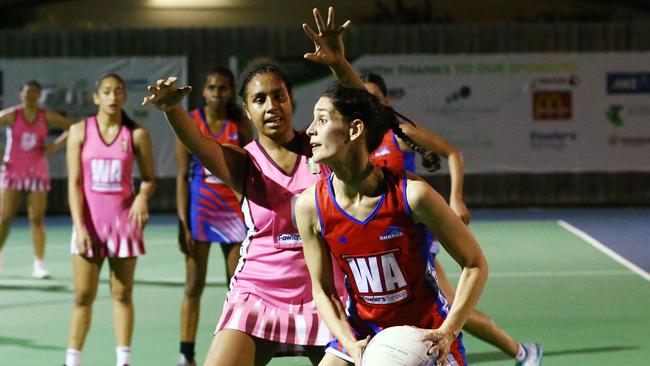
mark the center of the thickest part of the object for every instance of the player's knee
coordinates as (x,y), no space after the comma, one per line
(84,298)
(6,218)
(194,288)
(122,296)
(36,220)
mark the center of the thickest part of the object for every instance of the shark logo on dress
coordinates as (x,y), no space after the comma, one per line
(392,233)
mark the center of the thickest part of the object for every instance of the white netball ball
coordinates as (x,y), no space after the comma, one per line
(398,346)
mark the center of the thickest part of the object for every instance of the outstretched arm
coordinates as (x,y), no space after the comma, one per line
(320,270)
(429,208)
(440,146)
(224,162)
(330,50)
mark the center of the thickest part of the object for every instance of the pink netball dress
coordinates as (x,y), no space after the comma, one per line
(270,294)
(108,194)
(24,167)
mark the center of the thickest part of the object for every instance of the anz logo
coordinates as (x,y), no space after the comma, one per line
(379,278)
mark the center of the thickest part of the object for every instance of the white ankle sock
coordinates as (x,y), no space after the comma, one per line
(521,353)
(123,356)
(72,357)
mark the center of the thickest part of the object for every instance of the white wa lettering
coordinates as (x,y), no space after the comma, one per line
(393,276)
(106,170)
(366,273)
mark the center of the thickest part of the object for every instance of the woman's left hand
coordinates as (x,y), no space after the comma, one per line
(460,209)
(328,42)
(442,339)
(139,212)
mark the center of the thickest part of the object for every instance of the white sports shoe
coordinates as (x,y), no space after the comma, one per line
(40,270)
(533,355)
(182,361)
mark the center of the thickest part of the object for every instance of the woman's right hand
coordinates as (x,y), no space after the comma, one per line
(165,95)
(356,349)
(82,241)
(185,241)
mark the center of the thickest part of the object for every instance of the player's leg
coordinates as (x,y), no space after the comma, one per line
(9,201)
(121,281)
(86,278)
(479,324)
(36,205)
(331,360)
(231,257)
(196,268)
(315,354)
(231,347)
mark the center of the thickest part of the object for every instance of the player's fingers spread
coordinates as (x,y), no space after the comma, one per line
(160,82)
(310,32)
(345,26)
(330,17)
(319,21)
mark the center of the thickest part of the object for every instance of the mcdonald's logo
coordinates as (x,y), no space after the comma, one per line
(552,105)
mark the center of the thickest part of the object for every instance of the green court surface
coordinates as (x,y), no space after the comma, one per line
(545,285)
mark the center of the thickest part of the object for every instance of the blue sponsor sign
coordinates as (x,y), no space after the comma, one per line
(628,82)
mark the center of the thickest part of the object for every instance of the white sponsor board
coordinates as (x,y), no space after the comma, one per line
(573,112)
(68,84)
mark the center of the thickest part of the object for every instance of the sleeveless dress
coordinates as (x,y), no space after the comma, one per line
(214,210)
(389,270)
(106,170)
(24,166)
(270,295)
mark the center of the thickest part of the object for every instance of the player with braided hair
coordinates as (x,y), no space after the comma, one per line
(372,221)
(397,153)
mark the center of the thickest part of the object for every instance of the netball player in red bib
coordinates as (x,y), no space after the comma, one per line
(373,221)
(396,154)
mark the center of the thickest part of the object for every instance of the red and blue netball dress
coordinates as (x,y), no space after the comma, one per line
(390,155)
(215,212)
(389,270)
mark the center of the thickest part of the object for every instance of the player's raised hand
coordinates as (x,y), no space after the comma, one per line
(165,94)
(328,41)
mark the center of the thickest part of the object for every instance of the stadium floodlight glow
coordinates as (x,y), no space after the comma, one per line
(190,3)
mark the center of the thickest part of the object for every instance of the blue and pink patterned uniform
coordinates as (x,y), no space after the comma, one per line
(214,211)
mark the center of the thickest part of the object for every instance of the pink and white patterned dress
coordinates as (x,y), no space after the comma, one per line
(270,293)
(24,167)
(106,170)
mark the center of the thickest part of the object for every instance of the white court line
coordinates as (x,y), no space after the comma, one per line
(538,274)
(600,246)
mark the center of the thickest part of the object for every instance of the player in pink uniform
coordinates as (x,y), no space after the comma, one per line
(396,154)
(373,222)
(107,216)
(208,210)
(269,302)
(27,127)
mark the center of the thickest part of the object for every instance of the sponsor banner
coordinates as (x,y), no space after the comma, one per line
(68,84)
(520,112)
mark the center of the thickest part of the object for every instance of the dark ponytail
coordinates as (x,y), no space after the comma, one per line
(127,121)
(353,103)
(430,160)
